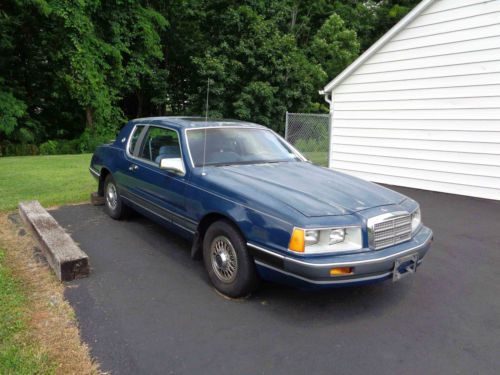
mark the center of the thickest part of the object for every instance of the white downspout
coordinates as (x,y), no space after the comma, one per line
(329,100)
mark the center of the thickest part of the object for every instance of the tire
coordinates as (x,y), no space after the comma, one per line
(229,265)
(114,205)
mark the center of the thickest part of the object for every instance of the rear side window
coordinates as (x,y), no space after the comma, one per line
(160,143)
(135,138)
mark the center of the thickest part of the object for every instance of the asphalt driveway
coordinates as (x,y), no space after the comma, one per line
(147,308)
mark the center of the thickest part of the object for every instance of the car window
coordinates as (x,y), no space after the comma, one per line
(135,138)
(160,143)
(225,146)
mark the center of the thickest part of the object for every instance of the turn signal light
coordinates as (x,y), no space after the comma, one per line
(341,271)
(297,240)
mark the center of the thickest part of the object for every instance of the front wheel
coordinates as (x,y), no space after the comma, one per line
(229,265)
(113,202)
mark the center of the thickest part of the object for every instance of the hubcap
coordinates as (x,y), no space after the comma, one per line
(111,196)
(223,258)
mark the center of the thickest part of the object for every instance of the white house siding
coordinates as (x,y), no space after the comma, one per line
(424,109)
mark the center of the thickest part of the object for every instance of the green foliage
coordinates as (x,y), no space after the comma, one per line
(8,148)
(79,69)
(11,111)
(66,67)
(85,143)
(49,148)
(258,71)
(370,19)
(334,46)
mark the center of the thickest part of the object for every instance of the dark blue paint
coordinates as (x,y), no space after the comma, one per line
(265,201)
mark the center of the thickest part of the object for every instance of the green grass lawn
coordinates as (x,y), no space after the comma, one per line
(17,355)
(52,180)
(318,157)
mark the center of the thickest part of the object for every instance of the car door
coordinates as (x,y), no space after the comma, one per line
(158,191)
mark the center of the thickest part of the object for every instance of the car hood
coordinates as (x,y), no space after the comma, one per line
(309,189)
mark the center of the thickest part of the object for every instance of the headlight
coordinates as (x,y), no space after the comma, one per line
(416,219)
(336,236)
(325,240)
(311,237)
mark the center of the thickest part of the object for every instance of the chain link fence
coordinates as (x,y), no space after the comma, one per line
(309,133)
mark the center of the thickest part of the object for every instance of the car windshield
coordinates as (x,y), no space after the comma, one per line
(225,146)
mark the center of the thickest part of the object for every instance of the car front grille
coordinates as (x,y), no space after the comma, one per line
(389,229)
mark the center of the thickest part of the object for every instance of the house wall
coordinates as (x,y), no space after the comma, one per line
(424,110)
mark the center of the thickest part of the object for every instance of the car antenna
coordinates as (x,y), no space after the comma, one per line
(205,132)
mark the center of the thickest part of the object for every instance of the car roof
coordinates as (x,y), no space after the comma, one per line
(184,122)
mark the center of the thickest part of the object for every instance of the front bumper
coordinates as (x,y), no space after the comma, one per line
(368,266)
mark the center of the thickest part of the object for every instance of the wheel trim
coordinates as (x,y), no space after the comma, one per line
(223,259)
(111,196)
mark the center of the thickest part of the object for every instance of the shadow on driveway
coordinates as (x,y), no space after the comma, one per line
(147,308)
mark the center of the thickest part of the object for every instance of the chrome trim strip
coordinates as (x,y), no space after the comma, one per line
(130,135)
(163,208)
(331,227)
(325,282)
(367,261)
(183,227)
(157,214)
(265,251)
(94,172)
(353,263)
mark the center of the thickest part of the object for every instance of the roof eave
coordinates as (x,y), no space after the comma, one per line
(424,4)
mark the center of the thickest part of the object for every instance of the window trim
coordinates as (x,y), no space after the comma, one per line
(131,135)
(142,136)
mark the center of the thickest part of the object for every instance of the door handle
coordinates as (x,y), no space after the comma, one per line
(133,167)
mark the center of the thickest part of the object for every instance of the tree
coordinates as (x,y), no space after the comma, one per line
(258,71)
(73,63)
(79,69)
(334,46)
(12,111)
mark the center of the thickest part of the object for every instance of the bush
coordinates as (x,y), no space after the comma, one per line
(49,148)
(88,142)
(84,144)
(17,149)
(68,146)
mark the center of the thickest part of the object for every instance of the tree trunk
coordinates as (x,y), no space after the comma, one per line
(90,118)
(295,11)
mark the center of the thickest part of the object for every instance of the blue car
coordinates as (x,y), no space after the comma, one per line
(255,208)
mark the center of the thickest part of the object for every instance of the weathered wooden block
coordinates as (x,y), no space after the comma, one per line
(96,199)
(64,256)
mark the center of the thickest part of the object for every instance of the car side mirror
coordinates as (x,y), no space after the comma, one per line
(174,165)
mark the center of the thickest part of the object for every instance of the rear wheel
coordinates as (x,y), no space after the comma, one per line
(113,202)
(229,265)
